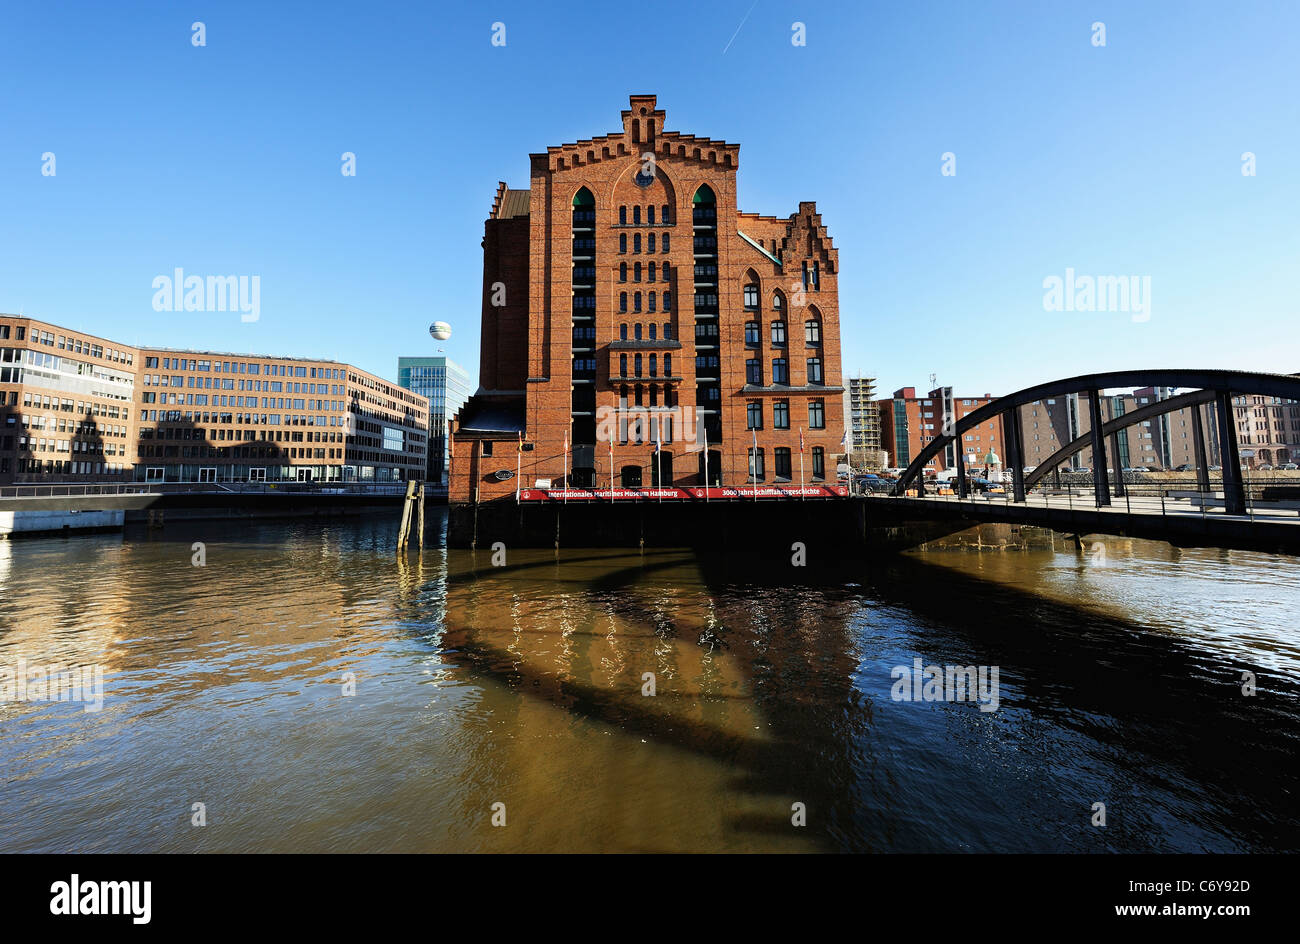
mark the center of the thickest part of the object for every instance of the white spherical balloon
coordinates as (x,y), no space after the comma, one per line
(440,330)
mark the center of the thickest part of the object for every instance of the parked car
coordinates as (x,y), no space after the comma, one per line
(1289,466)
(1216,468)
(1264,468)
(1185,468)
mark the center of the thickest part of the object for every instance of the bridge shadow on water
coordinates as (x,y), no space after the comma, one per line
(773,687)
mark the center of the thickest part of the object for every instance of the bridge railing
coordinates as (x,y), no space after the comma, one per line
(1271,497)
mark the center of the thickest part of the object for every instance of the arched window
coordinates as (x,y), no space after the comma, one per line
(622,242)
(637,364)
(652,272)
(666,217)
(637,331)
(622,271)
(663,243)
(583,198)
(636,272)
(622,301)
(622,214)
(636,215)
(622,331)
(650,242)
(636,242)
(650,214)
(812,328)
(778,302)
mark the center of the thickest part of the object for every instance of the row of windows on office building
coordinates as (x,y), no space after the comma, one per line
(652,271)
(75,345)
(664,243)
(37,401)
(231,383)
(783,463)
(781,414)
(266,403)
(244,367)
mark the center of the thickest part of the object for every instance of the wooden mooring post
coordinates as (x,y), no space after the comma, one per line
(404,531)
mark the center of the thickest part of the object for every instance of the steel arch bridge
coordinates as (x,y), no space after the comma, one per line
(1206,386)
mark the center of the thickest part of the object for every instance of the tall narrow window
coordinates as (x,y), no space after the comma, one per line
(751,297)
(651,306)
(636,242)
(622,271)
(636,215)
(812,331)
(622,242)
(815,370)
(650,214)
(622,301)
(816,414)
(652,272)
(666,217)
(622,332)
(622,365)
(663,243)
(636,272)
(780,371)
(637,364)
(622,215)
(819,462)
(753,415)
(650,242)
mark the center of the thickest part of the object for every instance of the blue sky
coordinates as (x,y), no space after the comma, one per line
(1115,160)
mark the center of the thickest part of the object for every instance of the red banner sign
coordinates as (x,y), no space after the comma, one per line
(734,492)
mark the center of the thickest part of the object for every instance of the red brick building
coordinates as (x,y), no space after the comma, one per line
(629,304)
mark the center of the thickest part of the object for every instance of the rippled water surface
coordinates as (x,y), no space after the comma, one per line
(1120,673)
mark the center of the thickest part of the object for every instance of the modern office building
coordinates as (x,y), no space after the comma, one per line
(447,386)
(67,404)
(79,408)
(639,327)
(212,417)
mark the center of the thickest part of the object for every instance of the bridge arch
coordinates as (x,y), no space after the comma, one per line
(1217,386)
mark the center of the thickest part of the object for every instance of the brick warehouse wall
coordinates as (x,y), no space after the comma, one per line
(608,167)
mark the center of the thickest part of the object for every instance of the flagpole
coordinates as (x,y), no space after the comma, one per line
(519,465)
(801,478)
(566,468)
(611,470)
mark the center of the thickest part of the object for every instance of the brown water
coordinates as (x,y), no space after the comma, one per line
(523,685)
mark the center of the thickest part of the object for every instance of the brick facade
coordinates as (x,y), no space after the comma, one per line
(615,293)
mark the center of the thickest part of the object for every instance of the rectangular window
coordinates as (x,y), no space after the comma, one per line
(816,414)
(753,372)
(781,414)
(780,371)
(819,462)
(782,465)
(754,415)
(756,471)
(751,334)
(814,370)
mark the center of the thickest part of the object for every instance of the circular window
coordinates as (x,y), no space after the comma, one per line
(643,179)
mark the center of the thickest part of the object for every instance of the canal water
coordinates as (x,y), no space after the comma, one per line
(307,690)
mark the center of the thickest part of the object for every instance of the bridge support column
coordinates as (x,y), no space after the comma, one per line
(1113,458)
(961,470)
(1015,450)
(1234,491)
(1198,442)
(1100,487)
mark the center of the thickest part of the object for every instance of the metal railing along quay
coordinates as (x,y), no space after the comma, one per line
(91,489)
